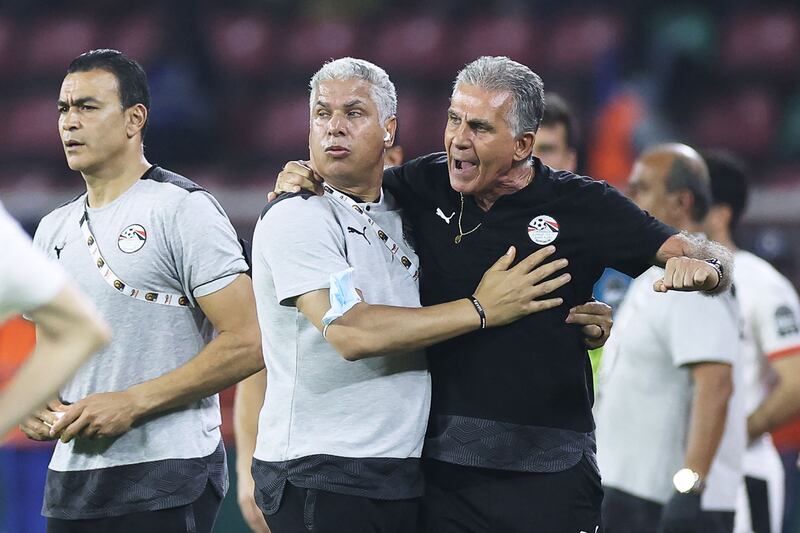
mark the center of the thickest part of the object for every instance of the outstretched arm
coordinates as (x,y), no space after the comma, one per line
(685,259)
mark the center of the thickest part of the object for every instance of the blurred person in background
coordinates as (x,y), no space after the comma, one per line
(488,191)
(770,351)
(69,329)
(139,442)
(670,421)
(557,138)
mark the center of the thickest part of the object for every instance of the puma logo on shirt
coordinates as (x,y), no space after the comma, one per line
(443,217)
(363,233)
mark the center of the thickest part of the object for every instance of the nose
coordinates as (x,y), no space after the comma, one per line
(462,137)
(337,125)
(69,120)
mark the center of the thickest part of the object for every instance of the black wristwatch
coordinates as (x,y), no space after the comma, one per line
(718,267)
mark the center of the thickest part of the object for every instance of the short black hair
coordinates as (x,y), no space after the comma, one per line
(729,183)
(131,78)
(558,111)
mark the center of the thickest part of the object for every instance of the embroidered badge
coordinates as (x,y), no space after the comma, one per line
(543,229)
(132,239)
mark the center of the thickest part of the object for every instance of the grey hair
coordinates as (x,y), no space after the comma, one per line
(348,68)
(499,73)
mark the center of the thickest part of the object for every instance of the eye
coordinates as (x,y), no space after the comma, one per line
(354,114)
(87,107)
(322,113)
(62,109)
(453,119)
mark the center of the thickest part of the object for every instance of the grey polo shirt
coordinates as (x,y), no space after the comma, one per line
(350,427)
(164,234)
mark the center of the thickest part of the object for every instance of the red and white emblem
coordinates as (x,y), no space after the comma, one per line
(543,229)
(132,239)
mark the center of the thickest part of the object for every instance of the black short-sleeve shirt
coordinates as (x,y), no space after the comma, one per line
(517,397)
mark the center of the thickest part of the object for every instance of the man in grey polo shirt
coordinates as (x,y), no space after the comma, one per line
(140,447)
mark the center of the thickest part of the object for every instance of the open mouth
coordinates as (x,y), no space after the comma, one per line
(460,164)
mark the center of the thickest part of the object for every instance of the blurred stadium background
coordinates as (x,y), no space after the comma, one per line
(228,82)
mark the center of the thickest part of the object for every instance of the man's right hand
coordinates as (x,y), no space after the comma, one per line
(508,294)
(37,426)
(247,503)
(296,175)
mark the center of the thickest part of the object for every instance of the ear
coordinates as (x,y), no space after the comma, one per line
(136,119)
(391,127)
(523,146)
(684,201)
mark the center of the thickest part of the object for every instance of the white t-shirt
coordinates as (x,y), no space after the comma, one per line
(645,391)
(771,312)
(27,278)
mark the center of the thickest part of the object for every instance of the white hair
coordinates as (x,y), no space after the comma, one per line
(500,73)
(348,68)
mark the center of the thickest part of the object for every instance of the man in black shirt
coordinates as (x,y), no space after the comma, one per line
(510,443)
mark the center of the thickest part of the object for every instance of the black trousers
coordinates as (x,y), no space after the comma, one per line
(758,499)
(196,517)
(478,500)
(302,510)
(626,513)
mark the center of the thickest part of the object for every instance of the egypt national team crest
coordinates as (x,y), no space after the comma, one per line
(543,229)
(132,239)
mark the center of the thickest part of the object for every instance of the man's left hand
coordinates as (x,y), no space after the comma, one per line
(595,317)
(107,414)
(687,274)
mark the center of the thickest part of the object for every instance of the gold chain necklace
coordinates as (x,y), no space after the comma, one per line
(461,232)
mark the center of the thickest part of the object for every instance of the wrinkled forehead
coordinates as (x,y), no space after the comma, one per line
(482,103)
(341,93)
(98,84)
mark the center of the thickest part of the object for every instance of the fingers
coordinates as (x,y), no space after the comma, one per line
(56,405)
(75,427)
(536,306)
(592,308)
(35,429)
(592,331)
(545,271)
(685,274)
(535,259)
(701,278)
(67,418)
(588,319)
(549,286)
(505,260)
